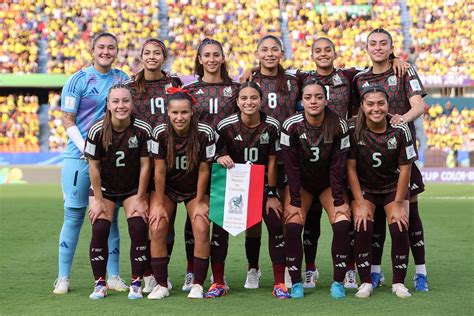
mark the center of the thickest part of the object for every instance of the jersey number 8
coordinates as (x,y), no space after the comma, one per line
(272,100)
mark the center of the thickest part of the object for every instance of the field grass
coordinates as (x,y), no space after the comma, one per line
(31,218)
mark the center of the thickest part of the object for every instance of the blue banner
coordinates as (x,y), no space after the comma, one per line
(45,158)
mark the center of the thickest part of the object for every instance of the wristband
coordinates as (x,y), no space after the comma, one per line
(271,191)
(76,137)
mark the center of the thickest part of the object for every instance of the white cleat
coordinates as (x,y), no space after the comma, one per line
(253,279)
(100,292)
(196,291)
(61,286)
(116,283)
(288,282)
(188,282)
(135,292)
(310,279)
(150,284)
(350,281)
(365,290)
(400,290)
(158,293)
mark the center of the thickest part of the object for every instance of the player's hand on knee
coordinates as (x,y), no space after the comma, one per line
(140,208)
(273,203)
(342,210)
(400,216)
(97,208)
(292,212)
(157,215)
(361,215)
(201,211)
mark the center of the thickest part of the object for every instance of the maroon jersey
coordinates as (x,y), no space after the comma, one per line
(214,101)
(338,89)
(399,90)
(244,144)
(120,164)
(278,104)
(181,183)
(312,163)
(379,155)
(151,105)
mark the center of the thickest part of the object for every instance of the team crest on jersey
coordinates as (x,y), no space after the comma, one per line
(133,142)
(392,80)
(365,84)
(169,85)
(392,143)
(227,91)
(264,139)
(336,80)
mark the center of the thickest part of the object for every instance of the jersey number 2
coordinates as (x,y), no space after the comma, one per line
(120,157)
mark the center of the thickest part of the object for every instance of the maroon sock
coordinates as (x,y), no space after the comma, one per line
(169,247)
(219,244)
(148,271)
(276,240)
(138,231)
(363,252)
(400,252)
(415,229)
(311,233)
(200,270)
(341,247)
(278,273)
(189,242)
(160,270)
(189,266)
(218,272)
(378,237)
(294,251)
(99,250)
(252,251)
(351,259)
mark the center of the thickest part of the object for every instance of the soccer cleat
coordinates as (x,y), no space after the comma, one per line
(135,292)
(365,290)
(116,283)
(421,282)
(158,293)
(337,290)
(350,281)
(61,286)
(196,291)
(253,279)
(150,284)
(100,290)
(400,290)
(227,287)
(310,279)
(288,282)
(188,282)
(281,291)
(377,279)
(216,290)
(297,290)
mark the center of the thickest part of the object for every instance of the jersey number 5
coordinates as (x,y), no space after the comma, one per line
(376,158)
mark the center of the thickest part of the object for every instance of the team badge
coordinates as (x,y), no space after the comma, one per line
(133,142)
(392,80)
(392,143)
(336,80)
(365,84)
(228,91)
(264,138)
(415,85)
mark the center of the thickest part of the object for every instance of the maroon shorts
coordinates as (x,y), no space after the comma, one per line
(114,198)
(382,199)
(417,185)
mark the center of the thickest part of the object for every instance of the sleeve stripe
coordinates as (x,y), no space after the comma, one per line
(274,122)
(343,126)
(143,125)
(158,130)
(405,129)
(94,129)
(207,129)
(294,119)
(229,120)
(191,83)
(75,78)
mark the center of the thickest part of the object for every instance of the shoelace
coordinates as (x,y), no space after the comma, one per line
(351,276)
(189,278)
(308,276)
(253,277)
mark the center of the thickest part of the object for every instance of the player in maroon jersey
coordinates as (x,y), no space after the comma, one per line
(252,136)
(117,149)
(182,150)
(148,88)
(405,104)
(215,93)
(314,146)
(378,170)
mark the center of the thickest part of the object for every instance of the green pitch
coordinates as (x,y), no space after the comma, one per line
(31,218)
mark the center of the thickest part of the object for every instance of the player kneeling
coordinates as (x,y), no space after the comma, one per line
(182,150)
(117,150)
(378,171)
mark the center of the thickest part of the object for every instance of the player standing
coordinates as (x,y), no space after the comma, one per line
(82,103)
(117,149)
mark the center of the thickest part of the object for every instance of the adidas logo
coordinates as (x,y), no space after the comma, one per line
(280,245)
(199,92)
(363,265)
(292,268)
(401,266)
(365,85)
(189,242)
(414,186)
(303,136)
(307,242)
(340,265)
(99,258)
(63,245)
(419,244)
(238,137)
(376,245)
(114,252)
(142,258)
(94,91)
(215,243)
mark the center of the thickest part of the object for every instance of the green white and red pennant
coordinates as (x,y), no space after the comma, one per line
(237,196)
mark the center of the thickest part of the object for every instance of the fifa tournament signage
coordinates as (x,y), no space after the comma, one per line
(237,196)
(447,175)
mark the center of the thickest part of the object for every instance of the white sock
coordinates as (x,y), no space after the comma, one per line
(420,269)
(376,269)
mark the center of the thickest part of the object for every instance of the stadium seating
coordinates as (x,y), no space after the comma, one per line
(20,125)
(58,138)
